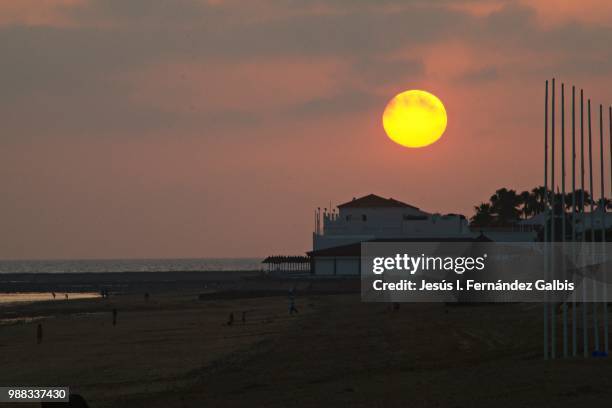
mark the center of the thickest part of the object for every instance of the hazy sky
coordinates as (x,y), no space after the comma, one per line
(153,128)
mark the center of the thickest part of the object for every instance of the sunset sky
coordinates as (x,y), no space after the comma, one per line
(152,128)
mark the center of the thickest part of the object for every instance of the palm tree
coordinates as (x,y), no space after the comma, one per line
(568,199)
(560,203)
(483,216)
(529,204)
(504,205)
(605,202)
(541,196)
(579,205)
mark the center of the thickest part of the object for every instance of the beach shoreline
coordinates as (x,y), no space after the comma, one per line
(32,297)
(118,282)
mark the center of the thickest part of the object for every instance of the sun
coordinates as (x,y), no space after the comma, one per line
(414,118)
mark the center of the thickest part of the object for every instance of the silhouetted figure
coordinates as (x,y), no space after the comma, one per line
(230,320)
(39,333)
(66,296)
(292,308)
(114,317)
(243,317)
(75,401)
(53,294)
(146,296)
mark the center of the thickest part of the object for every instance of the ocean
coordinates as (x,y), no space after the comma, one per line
(130,265)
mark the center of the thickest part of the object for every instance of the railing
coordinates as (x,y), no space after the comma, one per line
(289,264)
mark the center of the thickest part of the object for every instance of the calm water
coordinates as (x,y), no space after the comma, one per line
(131,265)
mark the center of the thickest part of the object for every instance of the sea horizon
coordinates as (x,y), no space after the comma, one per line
(216,264)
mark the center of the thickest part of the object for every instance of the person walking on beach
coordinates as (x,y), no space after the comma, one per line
(114,317)
(292,308)
(39,333)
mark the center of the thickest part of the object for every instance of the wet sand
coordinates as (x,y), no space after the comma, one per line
(28,297)
(177,351)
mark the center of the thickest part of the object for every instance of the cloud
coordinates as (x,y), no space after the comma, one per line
(114,13)
(479,75)
(80,77)
(83,76)
(380,70)
(337,104)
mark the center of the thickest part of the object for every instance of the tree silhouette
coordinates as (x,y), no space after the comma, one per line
(579,205)
(483,216)
(530,204)
(541,196)
(505,208)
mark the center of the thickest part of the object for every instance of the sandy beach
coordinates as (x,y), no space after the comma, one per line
(177,350)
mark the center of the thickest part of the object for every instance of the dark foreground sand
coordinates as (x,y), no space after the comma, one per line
(177,351)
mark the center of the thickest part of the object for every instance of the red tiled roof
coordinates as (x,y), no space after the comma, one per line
(374,201)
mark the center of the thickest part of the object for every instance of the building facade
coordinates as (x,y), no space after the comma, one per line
(373,217)
(339,232)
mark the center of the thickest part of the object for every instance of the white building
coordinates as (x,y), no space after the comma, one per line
(339,233)
(373,217)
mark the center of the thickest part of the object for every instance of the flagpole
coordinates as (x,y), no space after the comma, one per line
(603,227)
(563,231)
(592,217)
(606,277)
(605,296)
(546,215)
(553,321)
(574,317)
(585,332)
